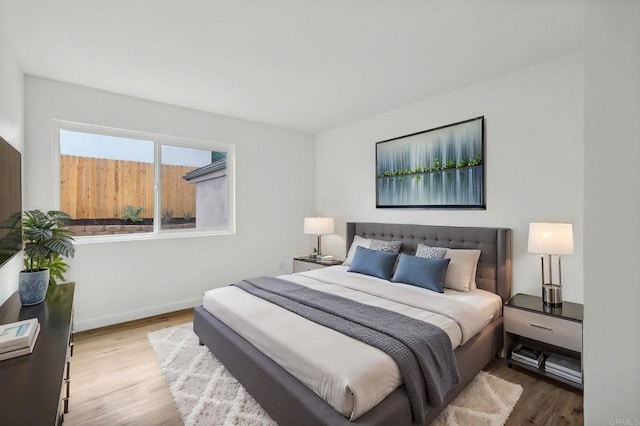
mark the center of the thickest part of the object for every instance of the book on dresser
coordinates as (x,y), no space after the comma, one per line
(527,355)
(17,335)
(23,350)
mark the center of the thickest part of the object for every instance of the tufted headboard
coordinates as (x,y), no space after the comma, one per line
(494,266)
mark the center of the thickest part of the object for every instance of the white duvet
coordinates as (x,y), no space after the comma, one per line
(349,375)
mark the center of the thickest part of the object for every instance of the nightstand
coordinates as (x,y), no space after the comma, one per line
(552,330)
(304,263)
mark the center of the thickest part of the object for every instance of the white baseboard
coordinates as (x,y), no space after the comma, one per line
(134,315)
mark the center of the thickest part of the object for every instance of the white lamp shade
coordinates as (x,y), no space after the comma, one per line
(551,238)
(318,225)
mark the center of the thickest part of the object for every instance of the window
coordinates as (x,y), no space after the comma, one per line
(116,182)
(194,188)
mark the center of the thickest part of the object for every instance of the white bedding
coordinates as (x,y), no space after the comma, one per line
(350,375)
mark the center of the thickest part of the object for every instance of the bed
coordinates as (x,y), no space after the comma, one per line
(290,402)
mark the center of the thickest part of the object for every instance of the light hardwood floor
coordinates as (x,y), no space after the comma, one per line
(116,380)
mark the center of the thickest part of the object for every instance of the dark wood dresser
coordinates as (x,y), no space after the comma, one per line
(34,389)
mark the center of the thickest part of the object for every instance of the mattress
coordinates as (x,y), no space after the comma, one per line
(349,375)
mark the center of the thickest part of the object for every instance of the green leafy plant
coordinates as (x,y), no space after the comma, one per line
(132,214)
(475,161)
(167,215)
(436,165)
(449,165)
(57,268)
(188,216)
(46,241)
(462,163)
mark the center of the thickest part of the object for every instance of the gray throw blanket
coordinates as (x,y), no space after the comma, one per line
(421,350)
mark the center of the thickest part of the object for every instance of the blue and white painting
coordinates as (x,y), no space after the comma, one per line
(439,168)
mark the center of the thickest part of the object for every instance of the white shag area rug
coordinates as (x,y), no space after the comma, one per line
(205,393)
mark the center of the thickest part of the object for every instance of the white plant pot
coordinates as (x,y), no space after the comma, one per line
(32,287)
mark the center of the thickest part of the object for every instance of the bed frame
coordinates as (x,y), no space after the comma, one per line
(289,402)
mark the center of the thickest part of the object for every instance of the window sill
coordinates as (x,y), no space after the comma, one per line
(163,235)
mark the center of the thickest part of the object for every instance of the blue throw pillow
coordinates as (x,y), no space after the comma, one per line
(373,262)
(422,272)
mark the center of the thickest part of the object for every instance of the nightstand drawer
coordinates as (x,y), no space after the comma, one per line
(548,329)
(301,266)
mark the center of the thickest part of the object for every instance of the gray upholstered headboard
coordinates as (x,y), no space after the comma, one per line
(494,266)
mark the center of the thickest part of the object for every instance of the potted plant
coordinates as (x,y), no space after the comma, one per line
(47,241)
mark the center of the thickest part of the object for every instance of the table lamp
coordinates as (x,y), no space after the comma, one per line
(318,226)
(551,239)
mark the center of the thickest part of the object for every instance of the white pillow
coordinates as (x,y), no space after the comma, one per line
(357,241)
(461,274)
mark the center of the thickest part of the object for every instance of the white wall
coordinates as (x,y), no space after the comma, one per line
(119,281)
(612,212)
(534,162)
(11,130)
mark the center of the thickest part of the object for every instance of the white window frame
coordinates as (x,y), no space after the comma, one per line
(158,141)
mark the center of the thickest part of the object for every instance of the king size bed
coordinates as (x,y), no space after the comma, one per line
(303,373)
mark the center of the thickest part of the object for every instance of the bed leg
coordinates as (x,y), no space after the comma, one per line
(200,342)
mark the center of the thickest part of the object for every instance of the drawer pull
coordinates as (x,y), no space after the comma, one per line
(540,326)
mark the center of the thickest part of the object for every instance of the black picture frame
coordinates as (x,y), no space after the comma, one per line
(439,168)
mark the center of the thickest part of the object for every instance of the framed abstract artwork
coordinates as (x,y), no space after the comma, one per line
(436,168)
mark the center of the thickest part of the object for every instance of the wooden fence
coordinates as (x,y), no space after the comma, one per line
(98,188)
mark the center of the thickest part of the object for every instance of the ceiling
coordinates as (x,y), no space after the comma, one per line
(309,65)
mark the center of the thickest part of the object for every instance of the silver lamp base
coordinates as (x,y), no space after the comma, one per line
(552,295)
